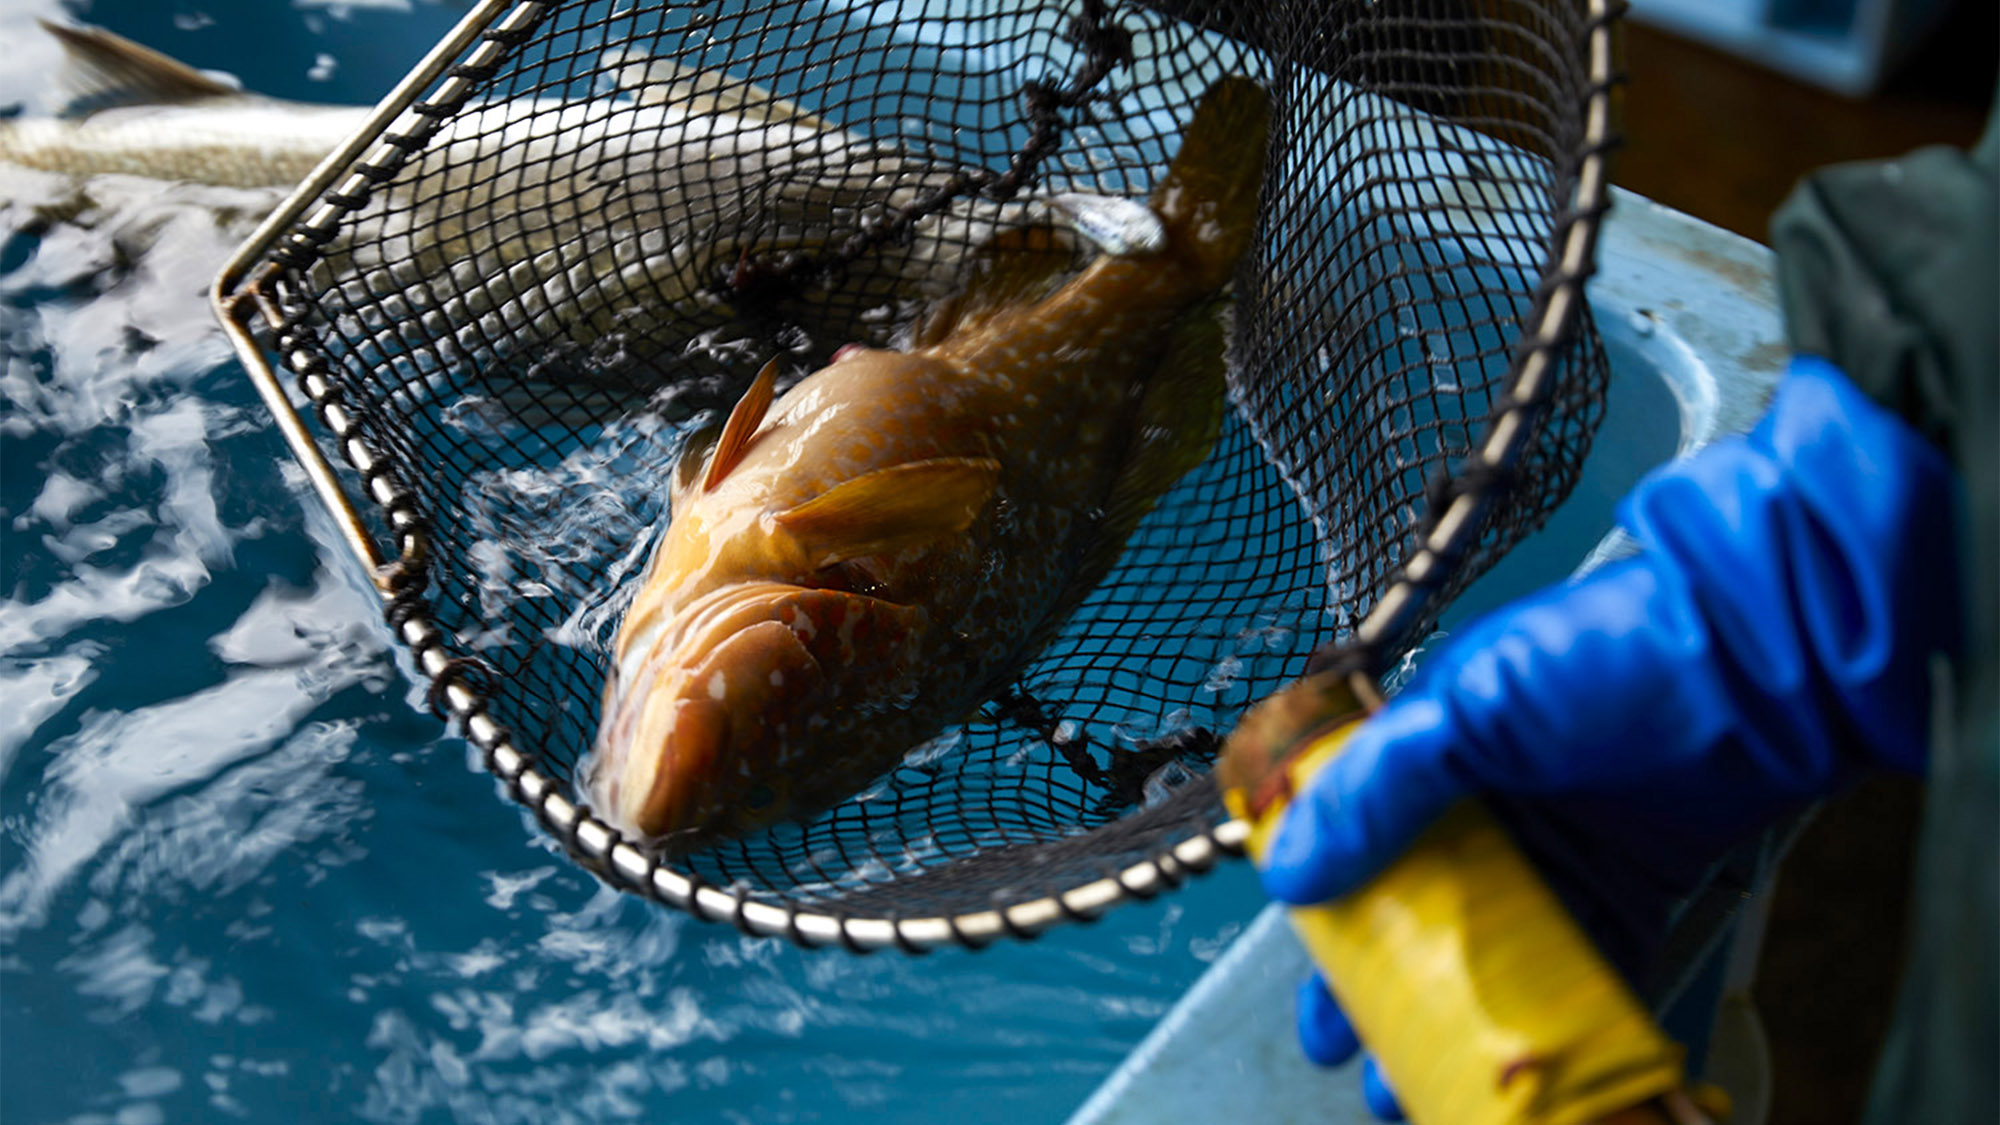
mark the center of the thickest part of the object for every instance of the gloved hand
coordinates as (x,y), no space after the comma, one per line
(1772,641)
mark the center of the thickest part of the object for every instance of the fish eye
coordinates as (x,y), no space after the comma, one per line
(760,798)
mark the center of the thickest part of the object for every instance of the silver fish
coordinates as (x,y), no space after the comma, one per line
(135,111)
(535,222)
(527,222)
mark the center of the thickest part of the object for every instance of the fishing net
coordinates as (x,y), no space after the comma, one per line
(572,237)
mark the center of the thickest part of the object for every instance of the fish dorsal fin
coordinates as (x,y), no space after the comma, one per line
(892,509)
(1017,266)
(102,70)
(703,93)
(742,425)
(688,470)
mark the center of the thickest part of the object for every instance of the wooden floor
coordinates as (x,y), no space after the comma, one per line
(1725,140)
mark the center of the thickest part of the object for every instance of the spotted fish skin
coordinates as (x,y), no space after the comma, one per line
(868,558)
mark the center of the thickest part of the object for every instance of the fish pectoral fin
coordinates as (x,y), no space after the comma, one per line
(102,70)
(892,509)
(742,425)
(1017,266)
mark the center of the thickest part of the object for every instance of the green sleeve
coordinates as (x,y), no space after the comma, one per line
(1888,269)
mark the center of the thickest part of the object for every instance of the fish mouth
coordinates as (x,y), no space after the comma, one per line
(695,732)
(724,725)
(651,769)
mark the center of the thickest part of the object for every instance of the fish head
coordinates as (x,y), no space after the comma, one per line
(694,726)
(725,725)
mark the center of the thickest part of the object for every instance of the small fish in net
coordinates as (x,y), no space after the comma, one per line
(878,553)
(547,240)
(532,221)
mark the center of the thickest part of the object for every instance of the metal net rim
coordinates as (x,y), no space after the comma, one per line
(481,42)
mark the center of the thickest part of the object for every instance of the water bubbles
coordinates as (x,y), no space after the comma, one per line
(792,338)
(935,750)
(483,419)
(1406,668)
(1162,782)
(1269,633)
(1439,349)
(1224,676)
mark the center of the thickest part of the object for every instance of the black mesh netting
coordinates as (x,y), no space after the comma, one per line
(592,234)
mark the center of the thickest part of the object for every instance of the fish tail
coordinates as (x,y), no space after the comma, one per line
(1208,199)
(102,70)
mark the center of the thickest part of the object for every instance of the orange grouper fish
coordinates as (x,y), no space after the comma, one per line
(875,554)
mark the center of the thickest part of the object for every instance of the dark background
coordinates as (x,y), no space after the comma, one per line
(1724,139)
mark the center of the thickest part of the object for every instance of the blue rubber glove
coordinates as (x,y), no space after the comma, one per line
(1772,642)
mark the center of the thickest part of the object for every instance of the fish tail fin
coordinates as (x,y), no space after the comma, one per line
(1208,199)
(102,70)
